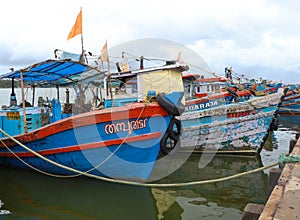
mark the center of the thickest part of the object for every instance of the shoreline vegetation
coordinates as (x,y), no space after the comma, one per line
(7,84)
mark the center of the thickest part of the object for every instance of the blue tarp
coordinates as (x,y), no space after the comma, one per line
(56,72)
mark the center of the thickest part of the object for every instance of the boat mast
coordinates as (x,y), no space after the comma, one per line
(104,57)
(13,99)
(57,92)
(77,29)
(110,85)
(23,103)
(82,57)
(33,94)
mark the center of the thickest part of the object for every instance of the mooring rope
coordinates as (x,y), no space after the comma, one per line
(156,185)
(77,174)
(36,169)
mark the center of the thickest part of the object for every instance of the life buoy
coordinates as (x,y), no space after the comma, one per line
(171,139)
(170,107)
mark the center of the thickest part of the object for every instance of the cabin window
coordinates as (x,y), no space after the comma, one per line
(200,89)
(187,89)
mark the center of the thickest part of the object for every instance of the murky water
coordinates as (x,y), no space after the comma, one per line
(32,195)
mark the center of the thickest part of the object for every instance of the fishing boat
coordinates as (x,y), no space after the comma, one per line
(291,101)
(289,111)
(225,120)
(118,139)
(216,89)
(222,117)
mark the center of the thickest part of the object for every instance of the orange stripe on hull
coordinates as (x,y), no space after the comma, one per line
(85,146)
(135,110)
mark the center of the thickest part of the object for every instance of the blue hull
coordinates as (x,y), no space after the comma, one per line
(136,165)
(290,120)
(290,105)
(122,148)
(234,128)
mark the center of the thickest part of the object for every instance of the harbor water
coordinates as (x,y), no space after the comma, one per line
(32,195)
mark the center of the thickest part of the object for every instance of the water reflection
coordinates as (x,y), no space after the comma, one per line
(30,195)
(271,142)
(223,200)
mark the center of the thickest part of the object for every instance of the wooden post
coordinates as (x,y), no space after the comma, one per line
(23,104)
(57,91)
(33,94)
(111,93)
(110,84)
(297,135)
(274,175)
(252,211)
(292,145)
(67,96)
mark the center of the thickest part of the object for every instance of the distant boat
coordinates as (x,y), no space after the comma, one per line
(224,120)
(120,142)
(291,102)
(289,111)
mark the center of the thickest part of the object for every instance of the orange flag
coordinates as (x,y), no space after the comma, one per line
(77,28)
(104,55)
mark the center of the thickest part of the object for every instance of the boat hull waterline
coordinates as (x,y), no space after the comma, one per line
(235,128)
(122,143)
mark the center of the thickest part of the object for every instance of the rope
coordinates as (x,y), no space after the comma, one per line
(75,175)
(157,185)
(289,159)
(36,169)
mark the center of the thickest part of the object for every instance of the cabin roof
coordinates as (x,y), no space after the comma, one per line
(55,72)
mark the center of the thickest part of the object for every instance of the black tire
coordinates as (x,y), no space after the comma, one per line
(170,142)
(174,134)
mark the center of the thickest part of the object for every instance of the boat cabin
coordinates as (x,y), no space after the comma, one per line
(94,89)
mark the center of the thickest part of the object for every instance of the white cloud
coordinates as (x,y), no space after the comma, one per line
(251,35)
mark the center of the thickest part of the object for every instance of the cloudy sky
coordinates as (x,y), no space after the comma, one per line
(259,38)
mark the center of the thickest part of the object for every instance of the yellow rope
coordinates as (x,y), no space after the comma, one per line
(138,183)
(36,169)
(75,175)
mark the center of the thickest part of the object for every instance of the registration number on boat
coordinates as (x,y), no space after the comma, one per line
(13,115)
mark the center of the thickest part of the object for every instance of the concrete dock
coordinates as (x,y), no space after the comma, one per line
(284,199)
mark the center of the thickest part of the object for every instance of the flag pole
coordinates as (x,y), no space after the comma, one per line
(23,102)
(82,49)
(110,83)
(77,29)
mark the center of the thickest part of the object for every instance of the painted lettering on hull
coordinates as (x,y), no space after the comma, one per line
(13,115)
(127,126)
(201,106)
(238,114)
